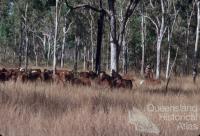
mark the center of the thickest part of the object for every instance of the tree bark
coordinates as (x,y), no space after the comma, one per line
(125,57)
(55,39)
(26,38)
(195,65)
(92,40)
(35,50)
(49,50)
(143,41)
(168,55)
(84,58)
(63,44)
(99,39)
(77,44)
(159,40)
(113,38)
(21,43)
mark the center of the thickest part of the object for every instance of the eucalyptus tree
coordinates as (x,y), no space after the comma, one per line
(195,65)
(158,19)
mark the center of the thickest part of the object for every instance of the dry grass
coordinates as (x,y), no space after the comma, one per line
(39,109)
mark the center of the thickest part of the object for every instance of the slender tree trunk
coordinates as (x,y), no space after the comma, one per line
(168,55)
(125,57)
(21,43)
(35,51)
(158,57)
(195,65)
(76,53)
(49,50)
(159,41)
(55,39)
(186,54)
(92,40)
(84,58)
(189,18)
(63,44)
(26,38)
(143,41)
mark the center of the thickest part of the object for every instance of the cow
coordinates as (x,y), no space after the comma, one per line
(47,75)
(89,75)
(81,81)
(122,83)
(119,82)
(105,79)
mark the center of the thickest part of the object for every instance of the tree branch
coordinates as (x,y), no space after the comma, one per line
(86,6)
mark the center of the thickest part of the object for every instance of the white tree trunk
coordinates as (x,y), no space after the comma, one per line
(92,40)
(113,55)
(55,39)
(49,50)
(84,58)
(197,30)
(113,37)
(195,67)
(143,42)
(63,46)
(26,38)
(168,55)
(159,40)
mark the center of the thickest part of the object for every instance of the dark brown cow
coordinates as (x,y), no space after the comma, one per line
(47,75)
(105,79)
(119,82)
(93,75)
(81,81)
(34,75)
(90,75)
(115,75)
(123,83)
(84,74)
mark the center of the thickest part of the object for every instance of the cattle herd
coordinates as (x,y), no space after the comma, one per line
(64,77)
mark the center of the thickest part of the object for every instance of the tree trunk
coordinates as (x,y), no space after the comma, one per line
(91,38)
(76,53)
(99,39)
(63,44)
(158,57)
(21,43)
(168,55)
(84,58)
(49,50)
(113,38)
(26,38)
(35,50)
(55,39)
(143,41)
(195,65)
(125,57)
(159,41)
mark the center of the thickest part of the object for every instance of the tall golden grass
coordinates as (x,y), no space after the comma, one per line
(40,109)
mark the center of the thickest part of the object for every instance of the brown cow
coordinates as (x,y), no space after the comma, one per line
(105,79)
(89,75)
(119,82)
(47,75)
(122,83)
(81,81)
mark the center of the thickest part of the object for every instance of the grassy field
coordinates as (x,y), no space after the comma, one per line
(40,109)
